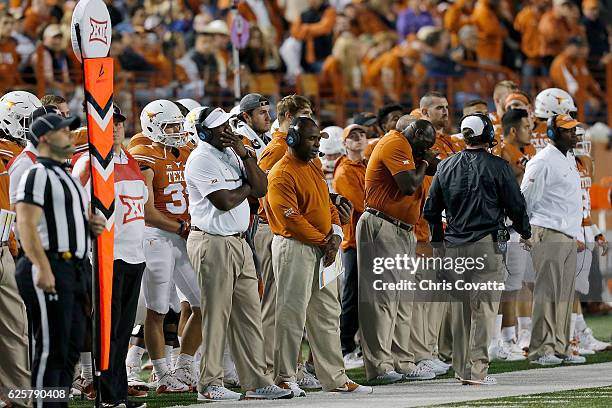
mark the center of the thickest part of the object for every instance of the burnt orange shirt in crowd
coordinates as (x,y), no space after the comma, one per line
(9,63)
(391,156)
(526,23)
(517,158)
(137,140)
(169,187)
(490,32)
(298,203)
(447,145)
(8,150)
(586,168)
(455,18)
(272,153)
(539,139)
(574,76)
(349,181)
(554,32)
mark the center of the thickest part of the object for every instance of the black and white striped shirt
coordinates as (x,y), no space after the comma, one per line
(63,226)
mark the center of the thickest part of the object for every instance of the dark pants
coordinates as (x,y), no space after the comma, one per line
(126,288)
(349,319)
(56,323)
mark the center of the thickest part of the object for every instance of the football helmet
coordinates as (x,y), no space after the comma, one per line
(331,146)
(188,103)
(190,122)
(162,122)
(15,110)
(554,101)
(583,146)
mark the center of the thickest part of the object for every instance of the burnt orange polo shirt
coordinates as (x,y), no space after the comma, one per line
(271,154)
(298,203)
(349,181)
(447,145)
(392,155)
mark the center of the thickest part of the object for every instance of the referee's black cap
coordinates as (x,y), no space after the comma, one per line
(50,122)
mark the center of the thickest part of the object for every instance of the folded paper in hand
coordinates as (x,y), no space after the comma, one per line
(7,219)
(329,274)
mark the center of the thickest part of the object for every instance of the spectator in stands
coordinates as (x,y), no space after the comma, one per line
(458,15)
(468,43)
(475,106)
(210,64)
(401,70)
(490,31)
(9,58)
(569,71)
(526,23)
(555,27)
(314,27)
(36,17)
(597,34)
(413,18)
(50,62)
(132,58)
(260,55)
(436,59)
(138,15)
(365,18)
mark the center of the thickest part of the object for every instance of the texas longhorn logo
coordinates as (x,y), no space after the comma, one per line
(98,31)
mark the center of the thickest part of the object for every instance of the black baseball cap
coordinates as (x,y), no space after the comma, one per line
(117,115)
(43,110)
(50,122)
(365,119)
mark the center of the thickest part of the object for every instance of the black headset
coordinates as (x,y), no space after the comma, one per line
(293,134)
(204,133)
(551,130)
(488,133)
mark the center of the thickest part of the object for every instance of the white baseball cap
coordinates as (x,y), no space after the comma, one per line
(474,123)
(216,118)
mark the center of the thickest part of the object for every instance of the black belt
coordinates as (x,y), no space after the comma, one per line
(240,235)
(390,219)
(66,256)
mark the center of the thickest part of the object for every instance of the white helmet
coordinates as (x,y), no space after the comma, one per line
(583,146)
(189,104)
(190,122)
(157,116)
(15,110)
(332,145)
(553,101)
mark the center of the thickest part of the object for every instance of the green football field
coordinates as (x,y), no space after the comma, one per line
(595,397)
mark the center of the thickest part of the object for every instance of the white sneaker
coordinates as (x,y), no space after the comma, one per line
(574,359)
(352,387)
(488,380)
(186,376)
(499,352)
(442,364)
(577,349)
(591,343)
(294,387)
(308,380)
(169,384)
(270,392)
(421,372)
(352,360)
(513,348)
(390,377)
(133,378)
(432,366)
(547,360)
(523,339)
(218,393)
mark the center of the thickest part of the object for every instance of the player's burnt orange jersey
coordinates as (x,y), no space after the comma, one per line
(585,168)
(517,158)
(137,140)
(169,188)
(539,140)
(9,149)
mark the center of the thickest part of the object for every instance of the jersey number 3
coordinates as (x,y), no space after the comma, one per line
(176,192)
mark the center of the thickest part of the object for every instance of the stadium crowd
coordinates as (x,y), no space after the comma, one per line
(228,220)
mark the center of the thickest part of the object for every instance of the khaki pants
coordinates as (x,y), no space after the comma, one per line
(14,363)
(421,320)
(554,261)
(263,248)
(473,311)
(445,333)
(299,303)
(385,316)
(230,306)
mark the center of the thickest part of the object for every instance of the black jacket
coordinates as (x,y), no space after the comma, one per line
(477,190)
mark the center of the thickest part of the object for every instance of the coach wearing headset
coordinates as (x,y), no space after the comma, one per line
(220,174)
(306,229)
(551,186)
(477,190)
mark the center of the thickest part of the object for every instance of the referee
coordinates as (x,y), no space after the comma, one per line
(53,221)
